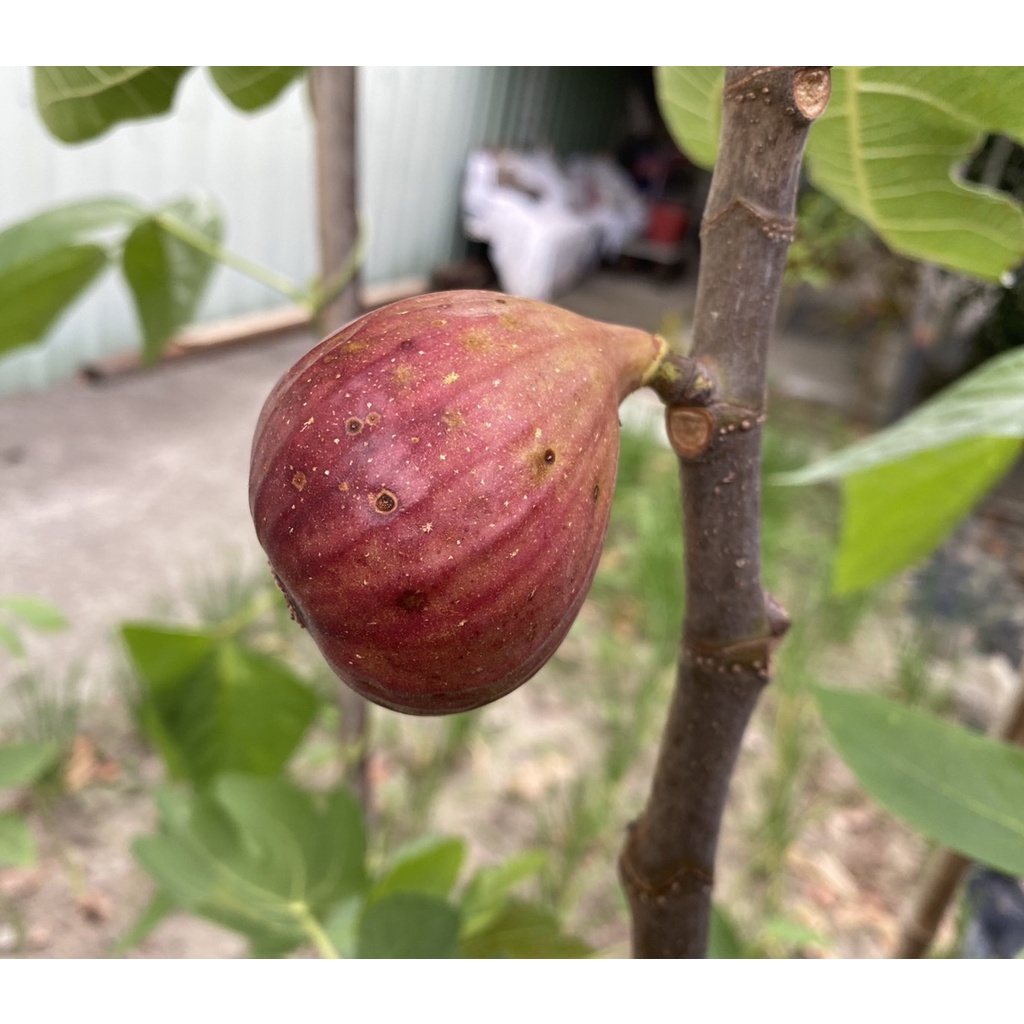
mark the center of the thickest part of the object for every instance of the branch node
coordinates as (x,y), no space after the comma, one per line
(683,381)
(751,654)
(690,430)
(658,887)
(812,88)
(778,618)
(774,228)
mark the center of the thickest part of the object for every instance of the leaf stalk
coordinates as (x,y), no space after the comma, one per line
(209,247)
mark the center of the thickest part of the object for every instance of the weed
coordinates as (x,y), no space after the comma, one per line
(46,707)
(421,755)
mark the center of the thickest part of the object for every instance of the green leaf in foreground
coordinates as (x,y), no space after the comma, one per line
(407,925)
(522,931)
(963,790)
(79,103)
(888,148)
(490,888)
(251,88)
(894,515)
(342,926)
(988,402)
(17,847)
(168,260)
(35,612)
(47,261)
(690,99)
(724,942)
(907,486)
(429,866)
(259,856)
(90,220)
(35,293)
(23,763)
(213,706)
(150,917)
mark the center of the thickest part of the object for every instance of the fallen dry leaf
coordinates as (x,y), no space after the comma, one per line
(95,906)
(17,883)
(87,764)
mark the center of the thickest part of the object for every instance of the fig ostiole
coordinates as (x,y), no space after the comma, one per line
(432,486)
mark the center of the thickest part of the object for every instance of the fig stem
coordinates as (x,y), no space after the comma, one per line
(682,381)
(731,625)
(324,292)
(314,932)
(255,609)
(210,247)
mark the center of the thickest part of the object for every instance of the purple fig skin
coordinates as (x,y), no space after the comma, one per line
(432,486)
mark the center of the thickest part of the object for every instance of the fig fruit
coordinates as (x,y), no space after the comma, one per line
(432,486)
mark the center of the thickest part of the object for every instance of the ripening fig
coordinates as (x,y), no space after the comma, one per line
(432,486)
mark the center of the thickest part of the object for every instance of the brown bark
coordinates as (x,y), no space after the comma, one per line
(731,625)
(334,106)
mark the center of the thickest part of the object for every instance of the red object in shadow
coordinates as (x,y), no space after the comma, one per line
(667,223)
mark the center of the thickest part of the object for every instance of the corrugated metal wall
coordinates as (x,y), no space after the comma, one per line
(416,125)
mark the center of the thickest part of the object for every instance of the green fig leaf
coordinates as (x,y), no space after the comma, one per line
(896,514)
(47,261)
(906,487)
(212,706)
(963,790)
(80,103)
(988,402)
(17,845)
(150,917)
(260,856)
(428,866)
(35,293)
(342,926)
(691,103)
(91,220)
(490,888)
(888,149)
(167,262)
(250,89)
(211,887)
(25,762)
(409,925)
(524,931)
(35,613)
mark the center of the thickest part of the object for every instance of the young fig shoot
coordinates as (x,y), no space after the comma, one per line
(432,486)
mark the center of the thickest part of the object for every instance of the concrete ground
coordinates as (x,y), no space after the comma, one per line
(122,499)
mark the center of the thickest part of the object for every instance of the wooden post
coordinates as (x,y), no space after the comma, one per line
(334,106)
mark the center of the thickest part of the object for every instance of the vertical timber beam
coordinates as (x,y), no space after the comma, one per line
(334,107)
